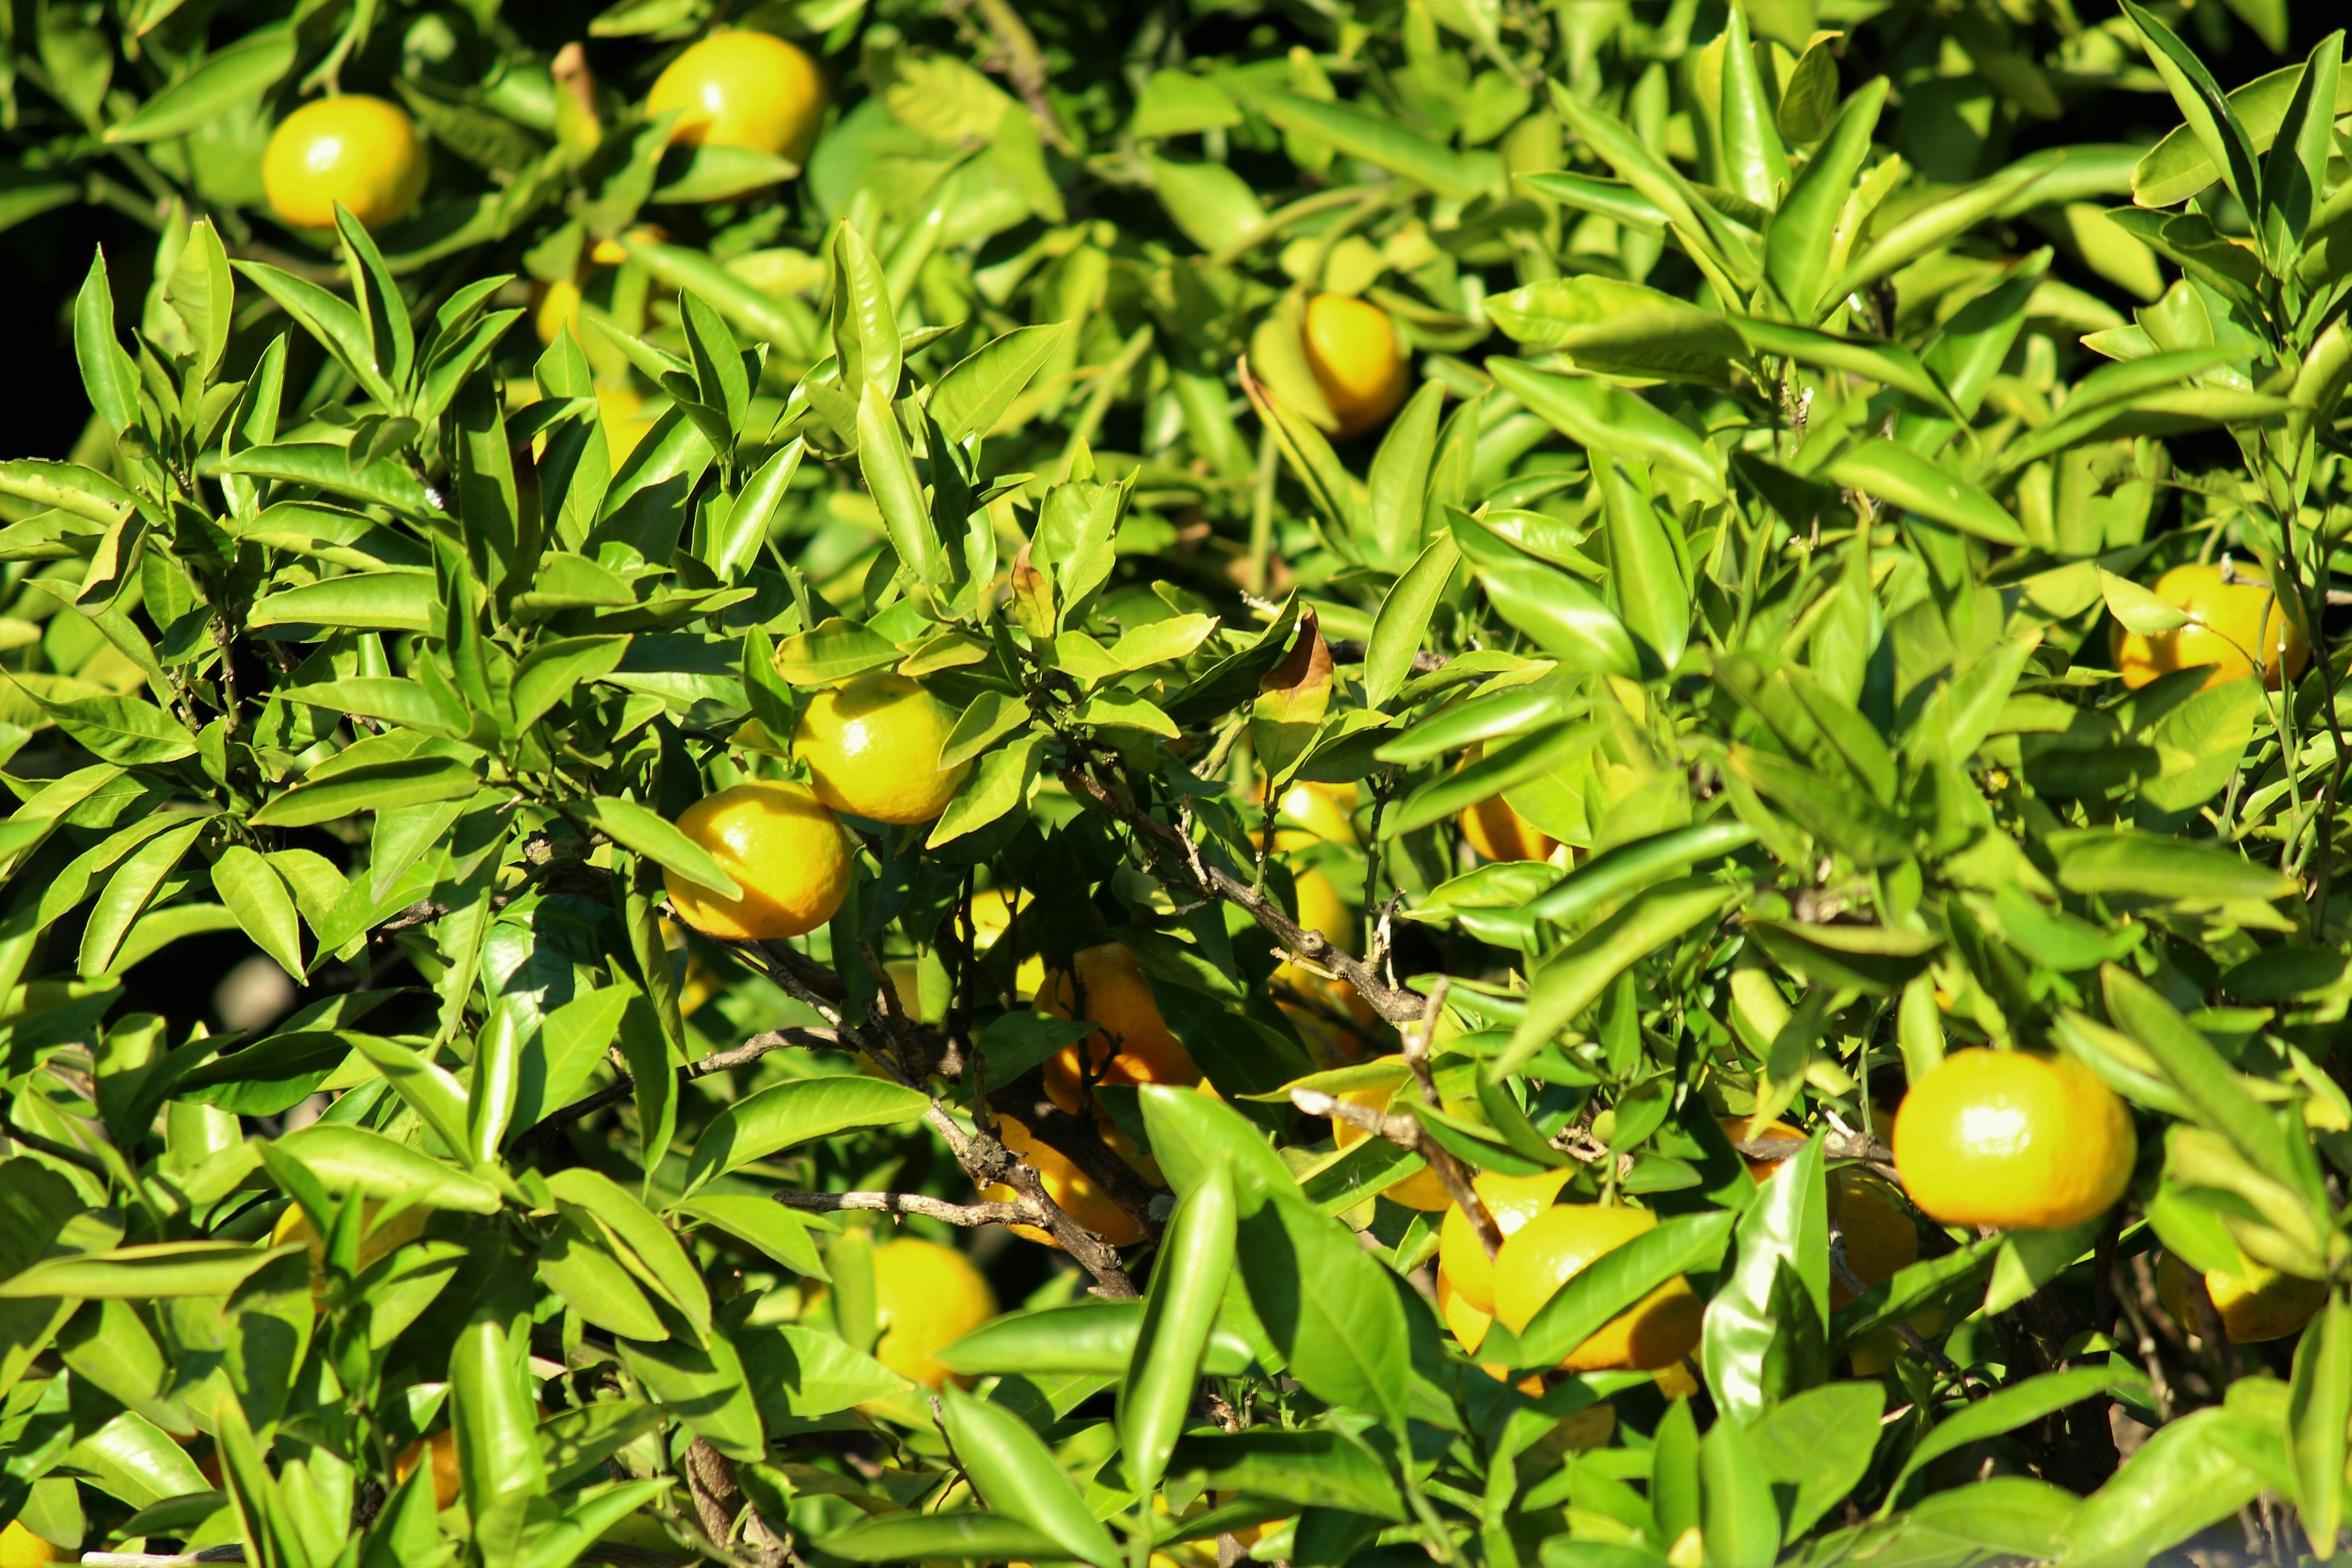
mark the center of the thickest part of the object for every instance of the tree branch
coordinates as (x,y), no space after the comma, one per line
(1393,1003)
(623,1085)
(1406,1133)
(912,1204)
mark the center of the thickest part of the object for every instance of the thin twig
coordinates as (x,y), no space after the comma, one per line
(1393,1003)
(623,1085)
(913,1204)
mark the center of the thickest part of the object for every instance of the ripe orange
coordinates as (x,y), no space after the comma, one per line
(1133,1045)
(1465,1322)
(352,149)
(782,847)
(1323,908)
(2013,1140)
(1425,1189)
(1512,1201)
(743,89)
(20,1548)
(1067,1186)
(1324,814)
(1351,348)
(1747,1129)
(1558,1243)
(2230,626)
(443,1448)
(926,1297)
(2268,1305)
(1880,1239)
(873,749)
(619,410)
(1498,833)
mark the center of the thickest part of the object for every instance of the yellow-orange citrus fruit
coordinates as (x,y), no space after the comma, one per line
(1323,908)
(2266,1305)
(558,306)
(443,1446)
(1675,1382)
(20,1548)
(1068,1186)
(1747,1129)
(2014,1141)
(993,914)
(1562,1242)
(1498,833)
(1308,814)
(1351,348)
(1425,1189)
(783,849)
(1880,1239)
(618,409)
(2230,626)
(1465,1322)
(873,749)
(1877,1351)
(926,1297)
(1512,1201)
(743,89)
(1133,1045)
(356,150)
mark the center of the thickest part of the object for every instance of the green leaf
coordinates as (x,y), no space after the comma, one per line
(1212,206)
(376,787)
(1614,328)
(1575,978)
(2178,166)
(1331,1310)
(889,470)
(1097,1338)
(138,1273)
(650,1247)
(2109,861)
(108,376)
(2186,1477)
(2004,1411)
(1645,568)
(253,892)
(1564,618)
(999,784)
(1187,1285)
(1759,1337)
(705,1386)
(2319,1405)
(1311,1468)
(955,1535)
(793,1113)
(1402,621)
(352,1159)
(834,651)
(2207,113)
(1016,1474)
(2215,1093)
(1383,143)
(1739,1518)
(1929,226)
(865,323)
(1596,414)
(972,396)
(1819,1444)
(358,601)
(127,892)
(126,731)
(1798,241)
(645,833)
(236,74)
(1901,477)
(430,1090)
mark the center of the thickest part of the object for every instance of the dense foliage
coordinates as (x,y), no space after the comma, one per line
(1733,671)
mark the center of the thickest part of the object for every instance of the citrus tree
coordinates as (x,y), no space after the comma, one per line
(1527,761)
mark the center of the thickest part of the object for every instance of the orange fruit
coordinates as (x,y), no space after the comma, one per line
(1512,1201)
(357,151)
(1425,1189)
(1465,1322)
(443,1448)
(743,89)
(2266,1305)
(1880,1239)
(1068,1186)
(1561,1243)
(2232,624)
(20,1548)
(926,1297)
(873,745)
(1351,348)
(1747,1129)
(2013,1140)
(782,847)
(1132,1045)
